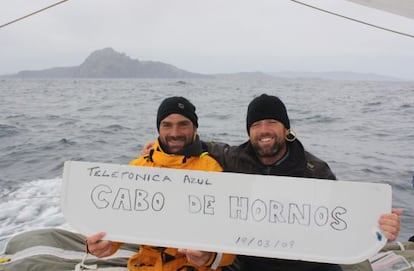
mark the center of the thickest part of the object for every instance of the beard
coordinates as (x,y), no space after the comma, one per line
(266,151)
(173,144)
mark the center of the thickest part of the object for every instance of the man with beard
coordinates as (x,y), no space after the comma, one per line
(178,146)
(273,150)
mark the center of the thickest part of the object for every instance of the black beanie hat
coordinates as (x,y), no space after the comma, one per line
(178,105)
(266,107)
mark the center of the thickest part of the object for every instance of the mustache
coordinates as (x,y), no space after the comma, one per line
(265,134)
(168,138)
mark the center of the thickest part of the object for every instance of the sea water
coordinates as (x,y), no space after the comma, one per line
(364,130)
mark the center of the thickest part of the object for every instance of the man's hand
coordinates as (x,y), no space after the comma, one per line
(197,257)
(389,224)
(147,147)
(98,247)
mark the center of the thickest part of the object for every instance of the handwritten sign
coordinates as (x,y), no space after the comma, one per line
(269,216)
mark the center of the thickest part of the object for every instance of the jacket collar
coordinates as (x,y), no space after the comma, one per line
(158,156)
(293,163)
(194,149)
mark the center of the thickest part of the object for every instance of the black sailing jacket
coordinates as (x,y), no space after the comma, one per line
(296,163)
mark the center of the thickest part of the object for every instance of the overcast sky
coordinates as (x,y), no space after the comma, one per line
(210,36)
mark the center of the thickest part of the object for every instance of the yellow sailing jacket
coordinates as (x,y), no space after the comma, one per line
(150,258)
(158,158)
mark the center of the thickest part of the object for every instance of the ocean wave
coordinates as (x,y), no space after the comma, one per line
(35,204)
(112,129)
(178,83)
(8,130)
(369,104)
(66,141)
(16,116)
(320,119)
(217,116)
(406,106)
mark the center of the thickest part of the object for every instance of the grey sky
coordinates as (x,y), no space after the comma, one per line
(210,36)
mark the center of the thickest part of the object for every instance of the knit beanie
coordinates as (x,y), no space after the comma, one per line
(266,107)
(178,105)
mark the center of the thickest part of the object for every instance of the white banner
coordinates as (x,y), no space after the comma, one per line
(269,216)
